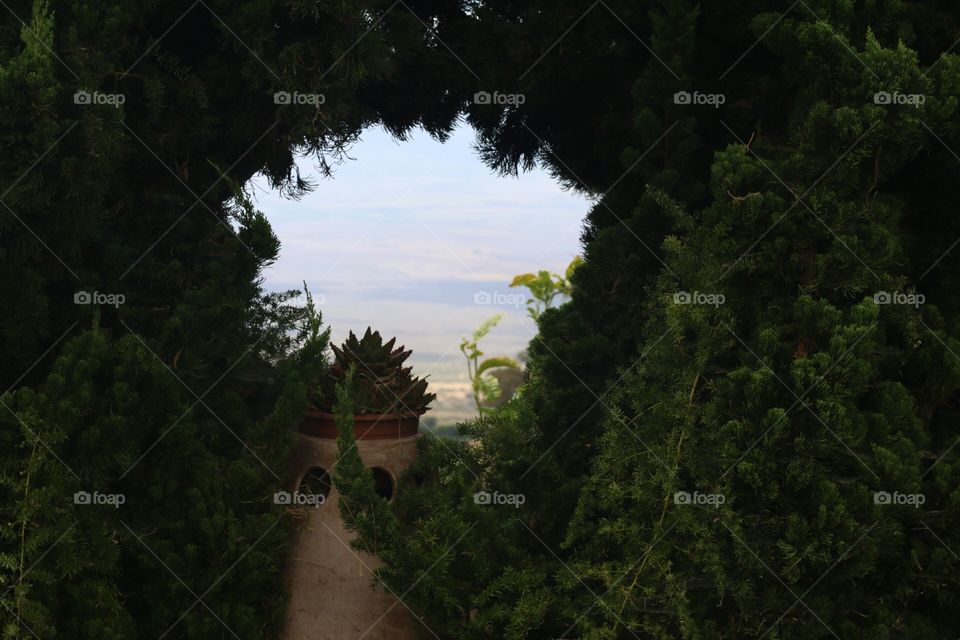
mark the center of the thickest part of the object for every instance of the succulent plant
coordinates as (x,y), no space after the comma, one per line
(381,384)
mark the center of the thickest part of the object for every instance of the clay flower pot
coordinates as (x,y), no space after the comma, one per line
(381,426)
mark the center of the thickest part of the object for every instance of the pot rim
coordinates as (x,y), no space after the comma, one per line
(364,417)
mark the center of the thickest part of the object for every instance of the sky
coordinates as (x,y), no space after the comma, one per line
(412,238)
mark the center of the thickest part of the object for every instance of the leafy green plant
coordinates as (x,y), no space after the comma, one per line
(804,400)
(381,383)
(545,287)
(485,386)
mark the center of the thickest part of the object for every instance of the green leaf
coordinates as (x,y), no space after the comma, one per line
(498,362)
(576,262)
(486,326)
(523,280)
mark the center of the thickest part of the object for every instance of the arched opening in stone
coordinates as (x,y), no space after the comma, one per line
(383,483)
(316,482)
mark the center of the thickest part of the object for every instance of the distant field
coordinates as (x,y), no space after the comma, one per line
(448,379)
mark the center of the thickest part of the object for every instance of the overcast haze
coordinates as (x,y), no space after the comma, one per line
(408,233)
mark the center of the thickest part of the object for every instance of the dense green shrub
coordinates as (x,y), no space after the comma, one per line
(743,424)
(797,200)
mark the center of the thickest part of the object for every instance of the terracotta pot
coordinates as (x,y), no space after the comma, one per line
(381,426)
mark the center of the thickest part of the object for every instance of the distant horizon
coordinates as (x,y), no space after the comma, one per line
(409,254)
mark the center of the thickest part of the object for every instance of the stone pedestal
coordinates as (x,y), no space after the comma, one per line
(332,596)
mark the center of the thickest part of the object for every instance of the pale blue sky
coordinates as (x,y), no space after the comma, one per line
(406,234)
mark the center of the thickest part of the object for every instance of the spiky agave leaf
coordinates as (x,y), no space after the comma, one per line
(381,384)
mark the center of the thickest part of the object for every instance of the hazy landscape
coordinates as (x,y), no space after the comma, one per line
(407,235)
